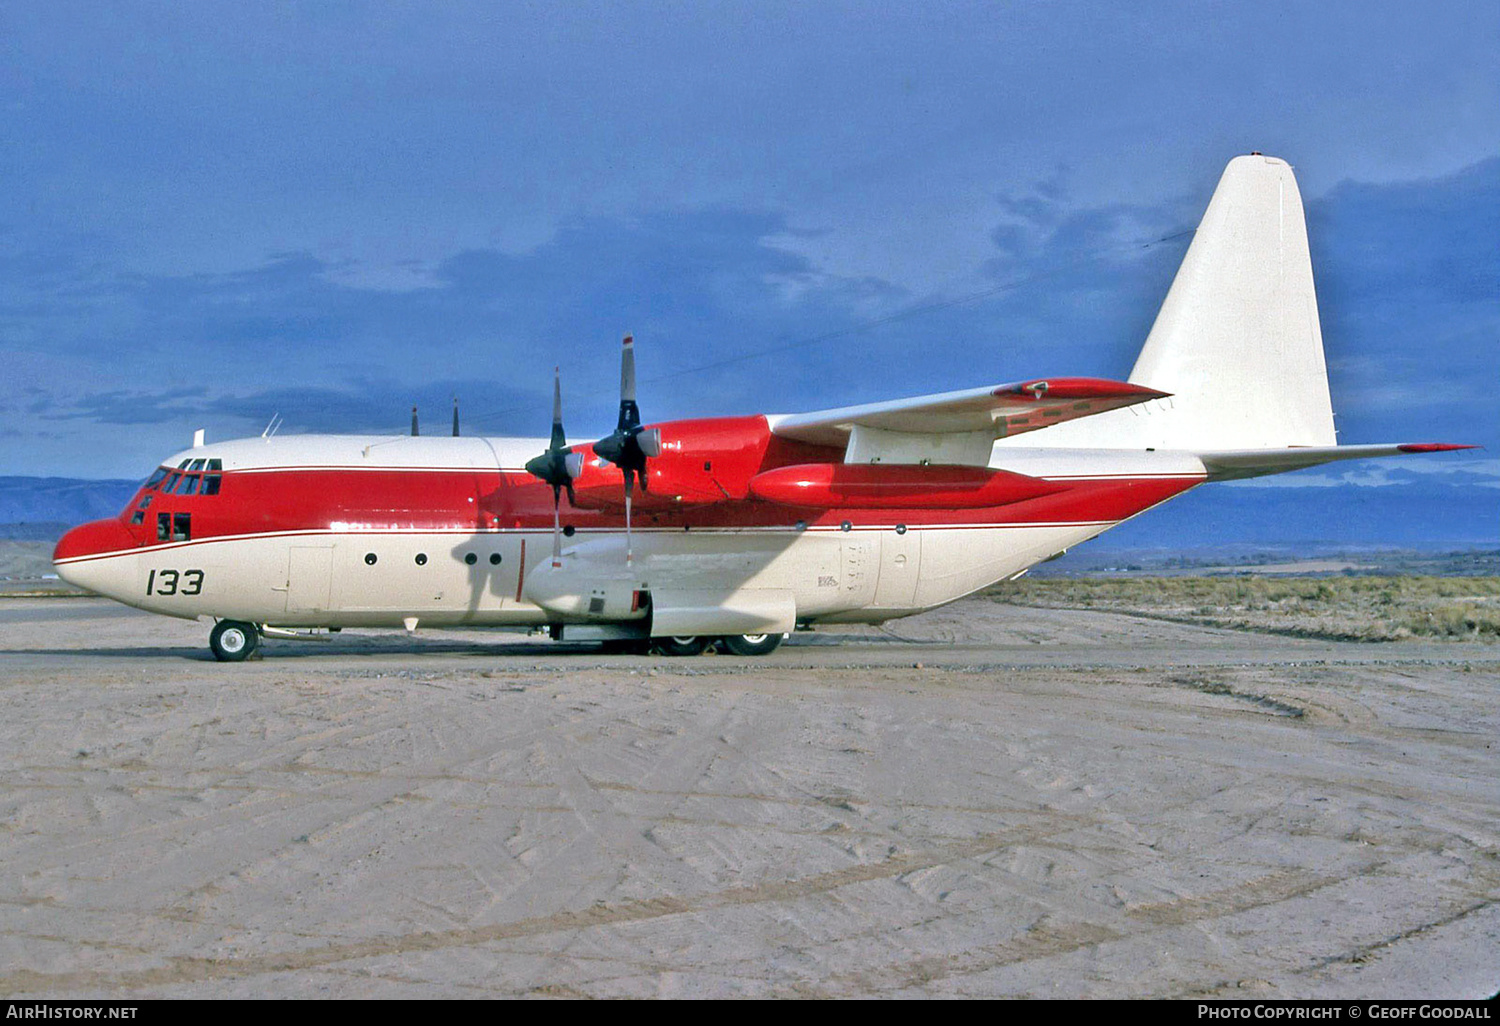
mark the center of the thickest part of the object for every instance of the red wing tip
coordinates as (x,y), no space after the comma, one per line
(1434,447)
(1082,388)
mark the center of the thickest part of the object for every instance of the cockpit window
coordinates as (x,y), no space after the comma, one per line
(173,526)
(215,465)
(155,479)
(211,484)
(189,485)
(184,464)
(171,483)
(197,465)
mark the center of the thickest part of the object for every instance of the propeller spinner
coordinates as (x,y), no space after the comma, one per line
(630,446)
(559,466)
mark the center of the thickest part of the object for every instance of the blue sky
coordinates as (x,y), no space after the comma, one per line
(217,212)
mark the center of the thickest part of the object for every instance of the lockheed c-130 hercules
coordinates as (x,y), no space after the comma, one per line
(733,531)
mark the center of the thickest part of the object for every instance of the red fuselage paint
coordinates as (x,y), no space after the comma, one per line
(702,480)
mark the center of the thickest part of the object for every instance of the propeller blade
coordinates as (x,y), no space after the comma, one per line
(630,413)
(629,550)
(559,467)
(629,446)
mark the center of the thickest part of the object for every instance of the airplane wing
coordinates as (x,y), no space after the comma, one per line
(957,427)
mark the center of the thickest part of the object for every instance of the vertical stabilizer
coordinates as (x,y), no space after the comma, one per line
(1237,342)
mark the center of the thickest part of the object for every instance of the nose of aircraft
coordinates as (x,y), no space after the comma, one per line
(96,538)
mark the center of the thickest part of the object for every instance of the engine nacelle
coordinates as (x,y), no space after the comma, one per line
(699,462)
(895,486)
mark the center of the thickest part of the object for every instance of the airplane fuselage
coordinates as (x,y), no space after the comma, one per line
(345,531)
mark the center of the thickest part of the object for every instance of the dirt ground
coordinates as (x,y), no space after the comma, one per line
(984,801)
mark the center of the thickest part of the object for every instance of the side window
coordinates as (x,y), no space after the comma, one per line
(180,526)
(163,526)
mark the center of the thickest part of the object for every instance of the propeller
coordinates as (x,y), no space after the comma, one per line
(630,446)
(559,467)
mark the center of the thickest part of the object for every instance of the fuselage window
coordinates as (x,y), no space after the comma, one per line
(211,484)
(181,526)
(163,526)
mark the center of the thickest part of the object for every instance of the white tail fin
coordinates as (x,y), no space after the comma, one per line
(1237,341)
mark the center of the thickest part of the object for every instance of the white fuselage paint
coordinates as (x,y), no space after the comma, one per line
(867,574)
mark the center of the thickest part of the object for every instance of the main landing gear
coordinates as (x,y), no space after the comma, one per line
(233,641)
(734,644)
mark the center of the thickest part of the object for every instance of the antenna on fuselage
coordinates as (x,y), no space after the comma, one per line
(272,425)
(414,431)
(455,416)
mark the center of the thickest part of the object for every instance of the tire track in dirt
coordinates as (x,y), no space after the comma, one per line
(184,969)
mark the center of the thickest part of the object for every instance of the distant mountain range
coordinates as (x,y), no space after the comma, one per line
(1424,515)
(42,508)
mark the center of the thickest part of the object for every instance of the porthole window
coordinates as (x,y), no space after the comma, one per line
(802,525)
(494,559)
(900,528)
(421,559)
(369,559)
(846,526)
(569,530)
(471,559)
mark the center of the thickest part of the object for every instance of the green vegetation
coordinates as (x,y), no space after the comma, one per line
(1354,608)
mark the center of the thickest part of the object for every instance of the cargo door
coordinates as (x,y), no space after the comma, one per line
(900,563)
(308,577)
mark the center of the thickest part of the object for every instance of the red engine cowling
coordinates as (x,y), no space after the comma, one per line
(895,486)
(701,462)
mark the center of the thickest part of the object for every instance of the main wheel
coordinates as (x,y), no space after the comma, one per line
(233,641)
(689,646)
(751,644)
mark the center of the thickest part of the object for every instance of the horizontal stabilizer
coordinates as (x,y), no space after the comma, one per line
(1237,463)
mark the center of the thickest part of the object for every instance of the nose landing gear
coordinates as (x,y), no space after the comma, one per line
(233,641)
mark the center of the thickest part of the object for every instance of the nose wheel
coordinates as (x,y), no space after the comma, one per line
(233,641)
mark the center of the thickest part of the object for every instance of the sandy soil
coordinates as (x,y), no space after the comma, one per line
(1053,803)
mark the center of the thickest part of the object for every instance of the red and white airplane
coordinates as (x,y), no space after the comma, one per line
(742,528)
